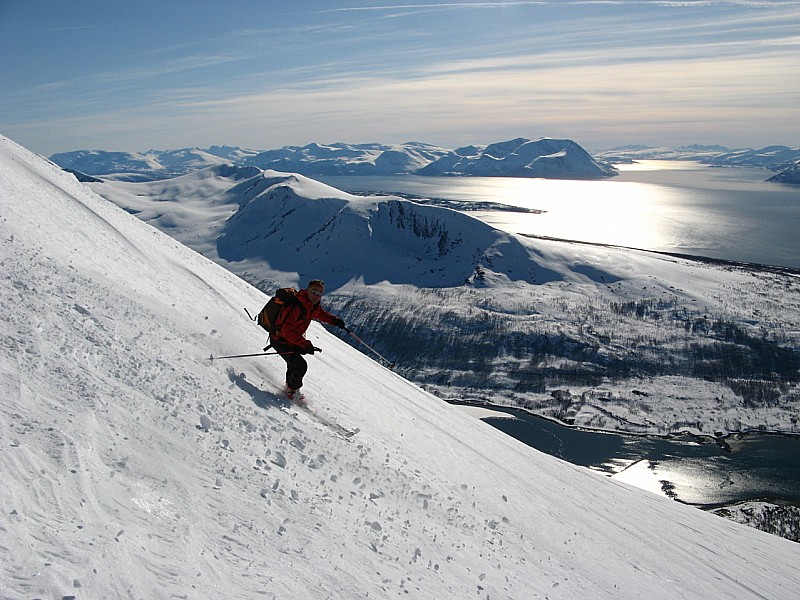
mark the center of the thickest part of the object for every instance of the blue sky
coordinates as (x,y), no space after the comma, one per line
(262,74)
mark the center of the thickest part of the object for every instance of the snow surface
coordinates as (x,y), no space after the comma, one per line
(135,467)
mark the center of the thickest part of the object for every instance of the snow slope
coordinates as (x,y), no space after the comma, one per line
(135,467)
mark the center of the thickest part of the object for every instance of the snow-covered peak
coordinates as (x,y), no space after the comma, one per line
(545,157)
(245,215)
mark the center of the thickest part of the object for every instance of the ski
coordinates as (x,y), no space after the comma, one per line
(301,409)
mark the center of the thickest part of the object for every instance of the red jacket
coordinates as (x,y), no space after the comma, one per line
(294,320)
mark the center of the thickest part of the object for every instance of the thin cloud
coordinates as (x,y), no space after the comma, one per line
(442,76)
(134,76)
(684,91)
(523,3)
(678,97)
(64,28)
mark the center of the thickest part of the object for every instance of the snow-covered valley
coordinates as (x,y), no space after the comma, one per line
(135,467)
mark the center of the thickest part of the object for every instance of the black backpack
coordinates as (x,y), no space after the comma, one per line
(268,317)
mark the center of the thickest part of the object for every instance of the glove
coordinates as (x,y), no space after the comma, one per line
(339,323)
(309,349)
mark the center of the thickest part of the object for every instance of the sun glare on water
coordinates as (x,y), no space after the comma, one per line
(608,212)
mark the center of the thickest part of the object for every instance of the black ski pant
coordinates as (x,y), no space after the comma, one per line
(296,365)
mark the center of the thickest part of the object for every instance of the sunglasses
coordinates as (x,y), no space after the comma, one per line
(316,293)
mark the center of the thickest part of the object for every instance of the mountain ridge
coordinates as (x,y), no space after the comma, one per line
(519,157)
(349,159)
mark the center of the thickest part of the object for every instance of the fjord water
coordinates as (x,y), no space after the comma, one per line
(752,467)
(729,213)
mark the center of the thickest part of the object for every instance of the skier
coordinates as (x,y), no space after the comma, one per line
(289,336)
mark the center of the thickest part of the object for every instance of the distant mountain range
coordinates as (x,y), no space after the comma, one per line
(521,157)
(149,165)
(349,159)
(781,159)
(544,158)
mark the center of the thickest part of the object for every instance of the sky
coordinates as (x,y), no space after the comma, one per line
(123,76)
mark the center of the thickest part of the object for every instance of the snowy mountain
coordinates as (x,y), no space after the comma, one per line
(790,175)
(588,335)
(240,214)
(774,158)
(349,159)
(547,158)
(632,152)
(149,165)
(312,159)
(127,165)
(133,466)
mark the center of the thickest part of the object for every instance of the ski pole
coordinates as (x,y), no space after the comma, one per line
(212,357)
(378,354)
